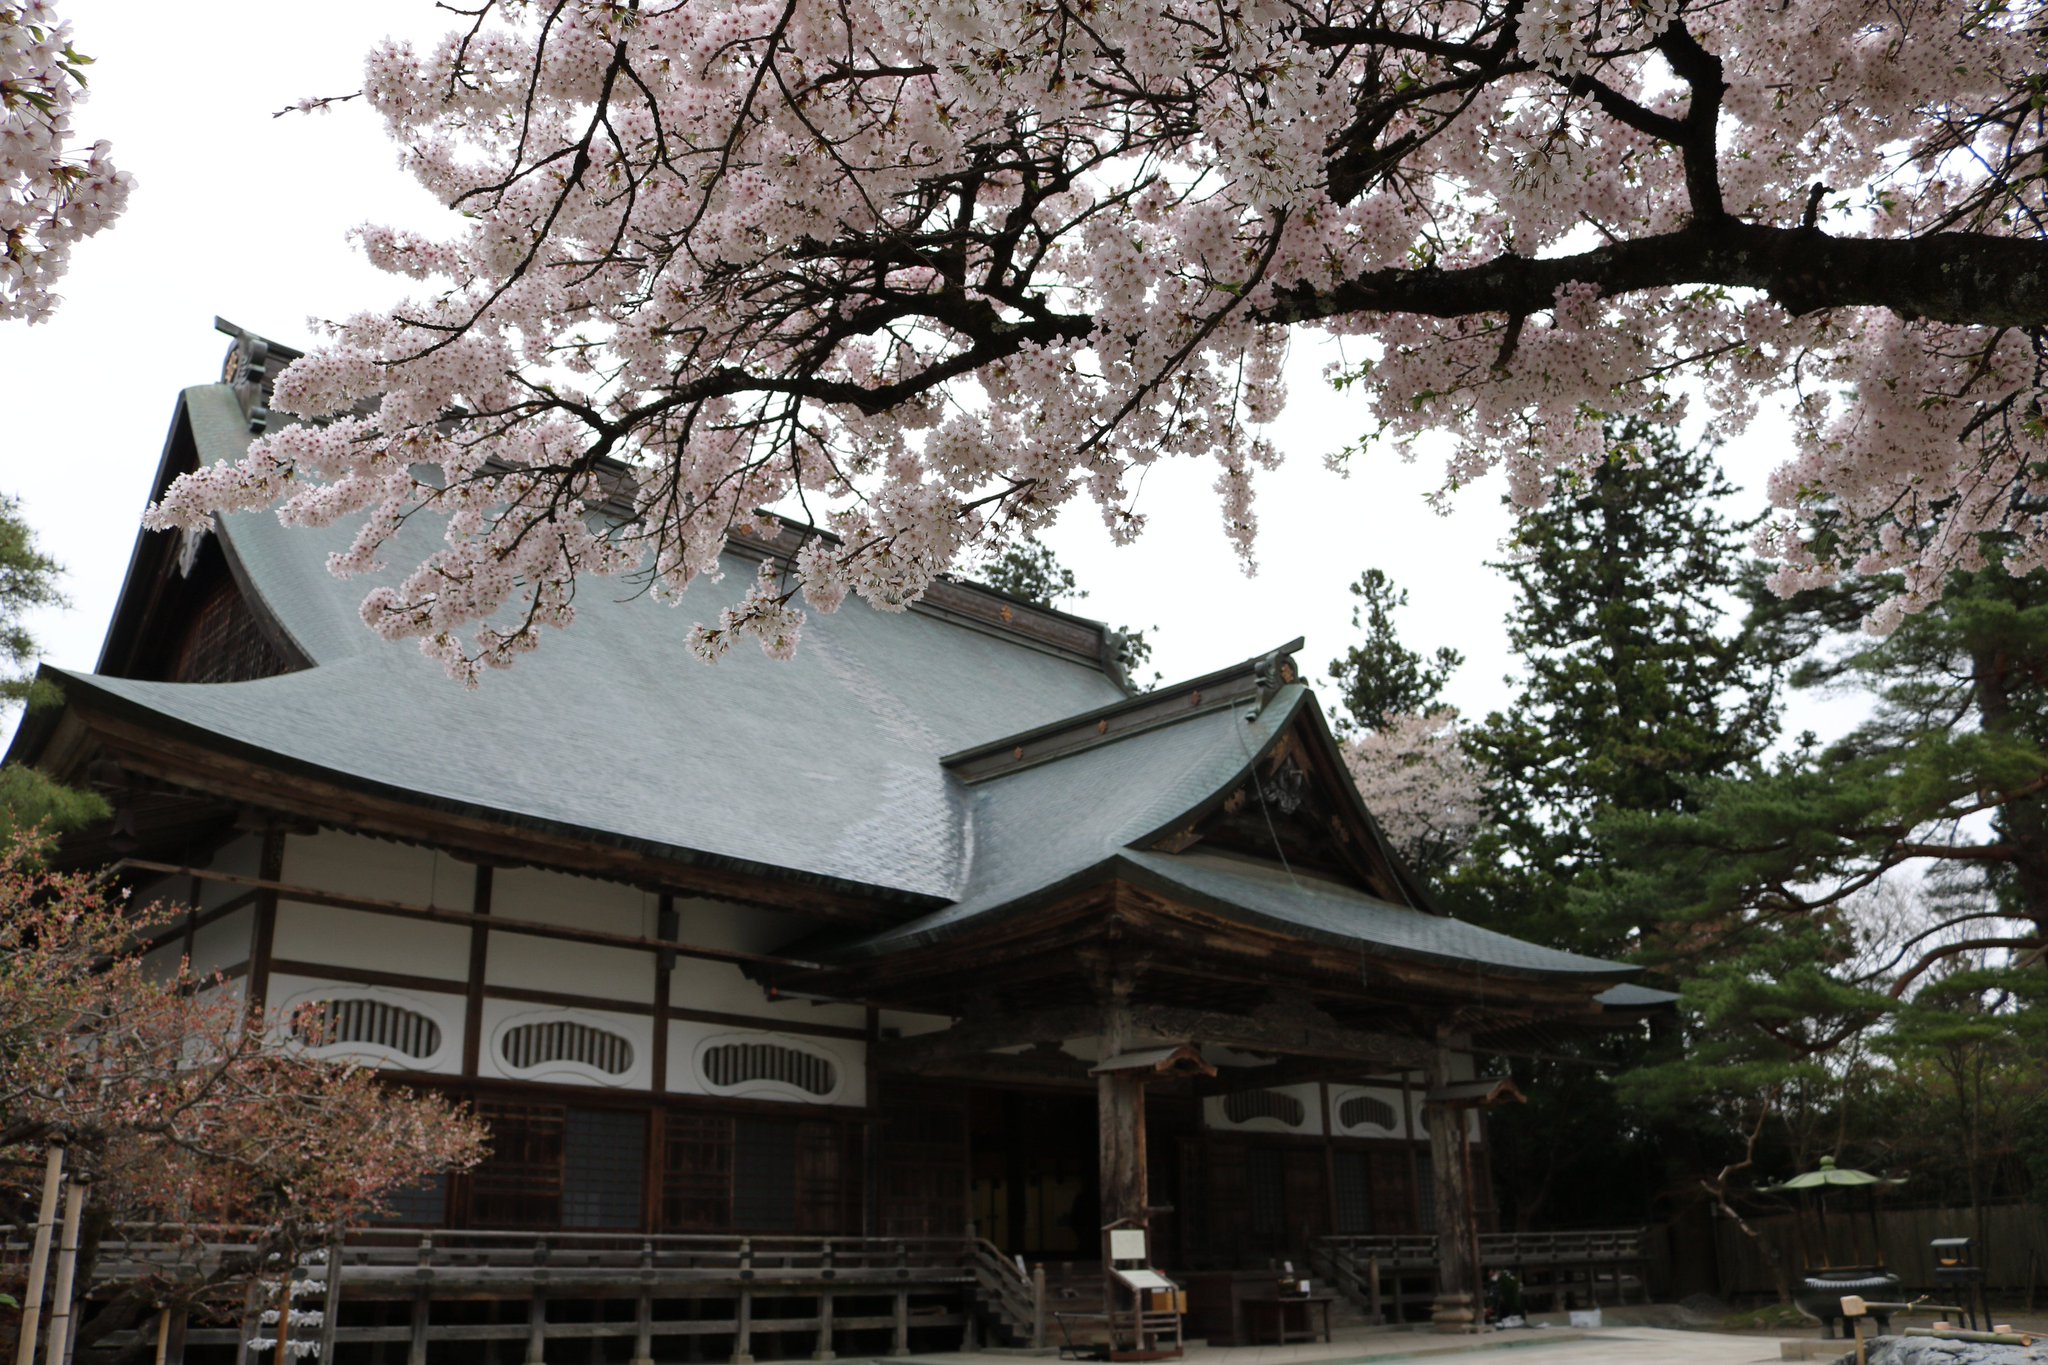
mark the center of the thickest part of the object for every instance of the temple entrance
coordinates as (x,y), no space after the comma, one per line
(1036,1189)
(1033,1159)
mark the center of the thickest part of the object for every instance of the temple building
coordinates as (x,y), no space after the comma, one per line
(939,927)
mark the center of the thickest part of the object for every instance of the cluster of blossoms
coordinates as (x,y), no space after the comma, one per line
(178,1109)
(1422,786)
(931,270)
(50,198)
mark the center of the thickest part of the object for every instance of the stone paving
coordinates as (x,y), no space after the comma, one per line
(1540,1346)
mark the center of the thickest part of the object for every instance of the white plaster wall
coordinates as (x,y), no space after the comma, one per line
(723,988)
(223,943)
(910,1025)
(502,1015)
(1311,1110)
(242,856)
(378,943)
(688,1039)
(576,902)
(352,865)
(546,964)
(289,991)
(1421,1132)
(161,964)
(1385,1094)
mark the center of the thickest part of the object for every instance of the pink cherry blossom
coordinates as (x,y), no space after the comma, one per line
(932,270)
(51,197)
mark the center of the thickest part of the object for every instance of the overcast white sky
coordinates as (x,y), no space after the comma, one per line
(242,215)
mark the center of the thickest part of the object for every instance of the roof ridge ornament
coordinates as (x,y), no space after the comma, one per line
(1271,672)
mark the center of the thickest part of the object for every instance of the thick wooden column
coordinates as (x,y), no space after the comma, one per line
(1457,1301)
(1120,1117)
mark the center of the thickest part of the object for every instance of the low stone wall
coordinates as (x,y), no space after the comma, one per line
(1930,1351)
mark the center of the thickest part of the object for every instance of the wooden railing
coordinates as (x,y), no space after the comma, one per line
(381,1286)
(1399,1273)
(1015,1296)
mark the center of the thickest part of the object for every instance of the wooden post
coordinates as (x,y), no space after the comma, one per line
(643,1309)
(1038,1305)
(1372,1291)
(1456,1308)
(1120,1118)
(163,1334)
(537,1308)
(58,1344)
(39,1255)
(280,1350)
(330,1303)
(422,1304)
(251,1320)
(174,1352)
(743,1325)
(900,1346)
(823,1350)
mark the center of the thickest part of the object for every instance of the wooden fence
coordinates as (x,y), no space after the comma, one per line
(2013,1250)
(1395,1277)
(384,1292)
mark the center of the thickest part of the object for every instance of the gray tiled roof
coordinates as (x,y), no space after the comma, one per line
(1272,897)
(1039,828)
(828,766)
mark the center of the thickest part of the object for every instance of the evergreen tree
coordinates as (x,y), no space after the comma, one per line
(1380,678)
(1632,684)
(1948,775)
(1769,884)
(28,580)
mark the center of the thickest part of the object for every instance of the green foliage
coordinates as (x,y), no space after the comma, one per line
(28,580)
(1948,772)
(1379,676)
(1030,570)
(1632,684)
(29,800)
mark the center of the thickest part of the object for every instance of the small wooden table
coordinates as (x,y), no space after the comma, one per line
(1279,1305)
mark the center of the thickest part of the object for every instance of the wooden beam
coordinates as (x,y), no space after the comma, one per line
(469,918)
(1294,1030)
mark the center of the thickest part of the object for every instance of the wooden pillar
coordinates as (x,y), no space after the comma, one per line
(39,1257)
(643,1311)
(1120,1118)
(262,942)
(1457,1300)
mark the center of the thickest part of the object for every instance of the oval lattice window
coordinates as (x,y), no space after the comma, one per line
(732,1064)
(379,1023)
(1360,1110)
(565,1040)
(1246,1105)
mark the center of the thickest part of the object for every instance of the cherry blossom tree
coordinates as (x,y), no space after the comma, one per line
(930,270)
(1417,779)
(182,1110)
(50,197)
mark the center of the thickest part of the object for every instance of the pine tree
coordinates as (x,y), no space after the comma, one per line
(1380,678)
(1633,685)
